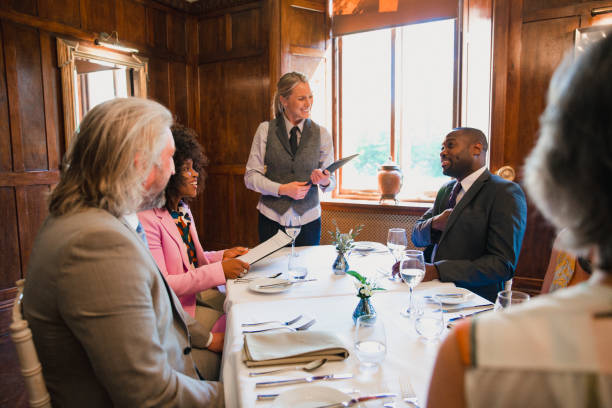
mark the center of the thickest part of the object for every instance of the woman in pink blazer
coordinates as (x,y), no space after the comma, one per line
(173,239)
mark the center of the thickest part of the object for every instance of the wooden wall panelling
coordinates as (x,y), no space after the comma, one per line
(9,245)
(158,85)
(31,212)
(6,163)
(63,11)
(131,17)
(99,15)
(13,393)
(178,91)
(24,6)
(157,29)
(211,32)
(176,34)
(52,100)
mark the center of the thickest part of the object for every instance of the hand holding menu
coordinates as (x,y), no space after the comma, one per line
(336,165)
(266,248)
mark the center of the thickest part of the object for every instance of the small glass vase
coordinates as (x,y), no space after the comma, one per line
(340,265)
(364,307)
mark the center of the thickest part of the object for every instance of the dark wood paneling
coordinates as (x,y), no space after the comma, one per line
(5,136)
(212,37)
(100,15)
(246,30)
(31,212)
(131,17)
(305,28)
(529,6)
(176,34)
(178,79)
(9,245)
(158,81)
(156,28)
(13,388)
(31,109)
(63,11)
(25,6)
(52,99)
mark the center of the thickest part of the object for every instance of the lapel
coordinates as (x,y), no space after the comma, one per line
(174,302)
(281,133)
(202,260)
(168,224)
(465,200)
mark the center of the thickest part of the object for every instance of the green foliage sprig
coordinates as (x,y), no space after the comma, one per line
(366,287)
(344,241)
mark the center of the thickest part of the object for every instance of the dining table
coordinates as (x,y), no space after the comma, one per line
(329,302)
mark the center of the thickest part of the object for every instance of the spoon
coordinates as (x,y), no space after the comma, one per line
(313,365)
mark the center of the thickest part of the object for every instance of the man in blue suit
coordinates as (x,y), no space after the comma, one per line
(475,228)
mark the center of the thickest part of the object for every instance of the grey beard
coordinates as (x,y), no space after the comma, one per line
(154,201)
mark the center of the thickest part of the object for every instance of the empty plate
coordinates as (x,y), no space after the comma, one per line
(256,285)
(367,246)
(309,396)
(465,295)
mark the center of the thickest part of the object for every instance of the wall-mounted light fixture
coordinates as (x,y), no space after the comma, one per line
(112,41)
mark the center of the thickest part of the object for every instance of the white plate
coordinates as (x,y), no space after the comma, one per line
(366,246)
(255,285)
(454,300)
(309,396)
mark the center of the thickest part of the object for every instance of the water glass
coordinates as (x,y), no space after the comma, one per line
(397,241)
(293,226)
(429,322)
(509,298)
(296,269)
(370,340)
(412,272)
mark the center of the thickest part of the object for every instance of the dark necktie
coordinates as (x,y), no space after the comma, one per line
(293,140)
(452,200)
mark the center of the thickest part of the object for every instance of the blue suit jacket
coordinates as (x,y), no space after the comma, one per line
(480,246)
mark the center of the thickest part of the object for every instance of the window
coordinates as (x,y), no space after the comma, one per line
(396,98)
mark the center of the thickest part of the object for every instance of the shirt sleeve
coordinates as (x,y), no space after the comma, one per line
(255,175)
(327,157)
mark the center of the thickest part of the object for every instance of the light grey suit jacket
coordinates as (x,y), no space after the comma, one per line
(480,246)
(107,328)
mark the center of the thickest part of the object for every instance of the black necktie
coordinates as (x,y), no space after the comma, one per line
(293,140)
(452,200)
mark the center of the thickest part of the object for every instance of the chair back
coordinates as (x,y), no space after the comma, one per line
(38,396)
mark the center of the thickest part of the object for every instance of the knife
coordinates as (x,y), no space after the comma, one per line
(355,401)
(459,309)
(309,379)
(273,285)
(468,315)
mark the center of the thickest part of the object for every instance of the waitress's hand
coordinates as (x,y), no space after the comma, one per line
(320,177)
(234,252)
(216,344)
(234,268)
(296,189)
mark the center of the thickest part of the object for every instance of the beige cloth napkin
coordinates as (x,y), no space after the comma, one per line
(264,349)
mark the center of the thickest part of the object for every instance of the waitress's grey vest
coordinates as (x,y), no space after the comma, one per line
(283,167)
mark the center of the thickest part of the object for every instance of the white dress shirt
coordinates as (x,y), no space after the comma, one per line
(467,182)
(255,179)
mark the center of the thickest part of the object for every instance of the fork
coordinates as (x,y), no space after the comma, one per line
(287,323)
(305,326)
(408,394)
(247,280)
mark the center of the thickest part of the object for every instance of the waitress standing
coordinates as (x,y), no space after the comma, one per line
(288,152)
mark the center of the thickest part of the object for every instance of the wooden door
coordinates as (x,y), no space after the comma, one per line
(530,39)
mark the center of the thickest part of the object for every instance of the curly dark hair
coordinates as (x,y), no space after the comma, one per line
(187,147)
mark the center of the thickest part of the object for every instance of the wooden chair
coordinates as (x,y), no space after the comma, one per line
(28,358)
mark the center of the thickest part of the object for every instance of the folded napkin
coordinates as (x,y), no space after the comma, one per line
(264,349)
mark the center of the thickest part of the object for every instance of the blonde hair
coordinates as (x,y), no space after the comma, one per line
(284,87)
(115,149)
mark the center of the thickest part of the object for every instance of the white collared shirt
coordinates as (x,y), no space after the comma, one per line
(467,182)
(132,220)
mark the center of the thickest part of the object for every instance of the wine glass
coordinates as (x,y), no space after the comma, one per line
(412,271)
(396,242)
(293,226)
(429,321)
(370,341)
(509,298)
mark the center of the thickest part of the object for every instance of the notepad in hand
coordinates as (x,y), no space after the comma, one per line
(264,349)
(266,248)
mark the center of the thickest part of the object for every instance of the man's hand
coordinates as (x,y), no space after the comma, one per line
(320,177)
(431,272)
(234,252)
(217,342)
(233,268)
(439,221)
(296,189)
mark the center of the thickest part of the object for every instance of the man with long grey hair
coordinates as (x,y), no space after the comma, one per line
(107,327)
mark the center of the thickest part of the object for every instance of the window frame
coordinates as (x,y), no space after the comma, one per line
(340,193)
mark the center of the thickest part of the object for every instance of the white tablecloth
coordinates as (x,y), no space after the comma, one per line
(318,260)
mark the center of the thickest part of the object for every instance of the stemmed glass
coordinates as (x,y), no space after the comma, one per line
(429,321)
(509,298)
(370,341)
(293,226)
(396,242)
(412,271)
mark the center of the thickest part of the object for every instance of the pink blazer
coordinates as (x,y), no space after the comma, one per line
(170,253)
